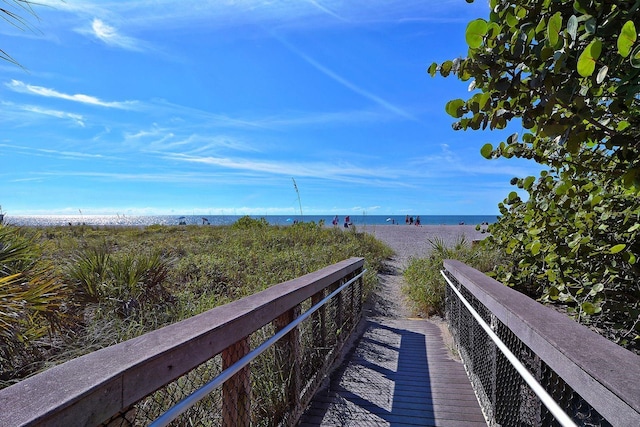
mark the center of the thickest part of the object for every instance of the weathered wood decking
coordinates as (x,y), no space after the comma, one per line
(400,374)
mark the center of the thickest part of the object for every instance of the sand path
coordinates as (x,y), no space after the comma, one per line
(408,242)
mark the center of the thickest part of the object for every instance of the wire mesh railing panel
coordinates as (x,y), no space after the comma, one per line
(271,376)
(506,398)
(206,412)
(274,388)
(254,361)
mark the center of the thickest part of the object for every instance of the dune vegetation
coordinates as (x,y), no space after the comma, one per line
(425,287)
(67,291)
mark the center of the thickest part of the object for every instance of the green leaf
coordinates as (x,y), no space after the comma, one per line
(476,30)
(622,125)
(483,100)
(433,69)
(453,108)
(578,7)
(617,248)
(602,73)
(541,25)
(627,38)
(535,247)
(486,151)
(553,28)
(445,68)
(512,20)
(590,308)
(528,182)
(590,26)
(588,58)
(572,27)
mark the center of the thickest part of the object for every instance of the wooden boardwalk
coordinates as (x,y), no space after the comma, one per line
(400,374)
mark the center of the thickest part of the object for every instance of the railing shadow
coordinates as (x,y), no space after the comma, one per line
(386,380)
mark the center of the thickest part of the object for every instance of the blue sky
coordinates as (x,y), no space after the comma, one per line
(214,107)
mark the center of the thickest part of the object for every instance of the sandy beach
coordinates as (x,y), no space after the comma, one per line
(410,241)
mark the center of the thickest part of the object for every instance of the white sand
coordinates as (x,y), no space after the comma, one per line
(410,241)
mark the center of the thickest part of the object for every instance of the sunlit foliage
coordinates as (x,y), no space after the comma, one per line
(569,71)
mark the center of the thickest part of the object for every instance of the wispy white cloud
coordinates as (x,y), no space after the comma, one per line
(346,83)
(343,172)
(207,143)
(183,117)
(447,162)
(26,113)
(110,36)
(159,139)
(21,87)
(324,118)
(77,155)
(76,118)
(326,10)
(169,15)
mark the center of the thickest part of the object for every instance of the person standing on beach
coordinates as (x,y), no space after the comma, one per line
(418,221)
(346,221)
(335,221)
(406,220)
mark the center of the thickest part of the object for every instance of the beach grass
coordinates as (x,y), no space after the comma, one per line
(425,286)
(115,283)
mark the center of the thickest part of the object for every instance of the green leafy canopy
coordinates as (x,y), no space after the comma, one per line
(569,72)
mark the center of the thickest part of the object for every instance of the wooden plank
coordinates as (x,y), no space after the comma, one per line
(400,373)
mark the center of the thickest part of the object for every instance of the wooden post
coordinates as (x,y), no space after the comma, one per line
(339,314)
(290,349)
(357,299)
(353,304)
(319,318)
(236,391)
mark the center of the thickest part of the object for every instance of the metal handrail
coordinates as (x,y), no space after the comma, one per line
(545,398)
(186,403)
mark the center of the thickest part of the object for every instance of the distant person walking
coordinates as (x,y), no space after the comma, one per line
(418,221)
(411,220)
(335,221)
(406,220)
(347,221)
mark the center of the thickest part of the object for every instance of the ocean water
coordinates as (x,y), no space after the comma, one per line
(141,221)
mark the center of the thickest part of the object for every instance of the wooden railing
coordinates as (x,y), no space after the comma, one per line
(591,379)
(136,381)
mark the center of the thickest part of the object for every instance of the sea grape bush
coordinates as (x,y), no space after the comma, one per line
(569,71)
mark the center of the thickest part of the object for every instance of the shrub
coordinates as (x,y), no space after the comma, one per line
(32,301)
(425,286)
